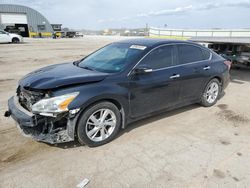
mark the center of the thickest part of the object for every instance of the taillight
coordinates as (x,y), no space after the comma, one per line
(228,64)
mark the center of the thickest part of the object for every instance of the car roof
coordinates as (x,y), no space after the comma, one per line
(152,42)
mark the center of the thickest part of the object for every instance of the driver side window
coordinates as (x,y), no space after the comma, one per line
(159,58)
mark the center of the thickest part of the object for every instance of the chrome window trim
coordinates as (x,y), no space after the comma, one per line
(154,70)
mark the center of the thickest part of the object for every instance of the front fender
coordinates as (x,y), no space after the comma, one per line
(92,93)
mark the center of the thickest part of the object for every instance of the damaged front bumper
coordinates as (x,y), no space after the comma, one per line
(41,128)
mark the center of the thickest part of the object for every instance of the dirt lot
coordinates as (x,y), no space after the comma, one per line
(189,147)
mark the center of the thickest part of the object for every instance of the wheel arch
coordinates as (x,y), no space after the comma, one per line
(211,78)
(219,79)
(220,83)
(116,102)
(208,80)
(15,38)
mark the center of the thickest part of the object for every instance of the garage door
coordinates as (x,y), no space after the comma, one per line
(13,18)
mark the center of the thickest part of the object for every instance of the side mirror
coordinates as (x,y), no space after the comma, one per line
(142,69)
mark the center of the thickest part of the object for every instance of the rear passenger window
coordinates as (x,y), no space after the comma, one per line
(190,53)
(160,58)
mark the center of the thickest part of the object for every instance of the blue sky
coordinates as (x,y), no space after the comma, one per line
(101,14)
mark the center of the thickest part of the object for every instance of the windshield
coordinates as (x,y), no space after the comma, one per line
(112,58)
(3,32)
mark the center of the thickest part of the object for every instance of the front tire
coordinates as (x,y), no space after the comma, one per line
(211,93)
(99,124)
(15,40)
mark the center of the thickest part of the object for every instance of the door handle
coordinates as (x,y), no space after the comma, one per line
(206,68)
(174,76)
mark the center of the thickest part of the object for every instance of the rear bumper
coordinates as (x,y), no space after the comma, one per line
(41,128)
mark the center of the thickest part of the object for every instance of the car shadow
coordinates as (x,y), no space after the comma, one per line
(240,76)
(161,115)
(136,124)
(67,145)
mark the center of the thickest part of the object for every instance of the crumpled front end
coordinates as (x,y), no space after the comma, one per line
(58,129)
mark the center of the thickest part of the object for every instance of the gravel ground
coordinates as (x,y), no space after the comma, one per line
(188,147)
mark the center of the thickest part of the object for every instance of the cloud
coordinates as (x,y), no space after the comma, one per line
(115,14)
(180,10)
(167,11)
(243,4)
(208,6)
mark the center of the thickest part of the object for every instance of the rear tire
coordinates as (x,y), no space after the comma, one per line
(15,40)
(211,93)
(99,124)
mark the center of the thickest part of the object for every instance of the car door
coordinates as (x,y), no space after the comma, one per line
(194,63)
(158,87)
(4,37)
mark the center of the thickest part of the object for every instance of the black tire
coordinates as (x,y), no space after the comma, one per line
(204,101)
(15,40)
(82,123)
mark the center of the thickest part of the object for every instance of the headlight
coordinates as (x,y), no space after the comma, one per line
(54,104)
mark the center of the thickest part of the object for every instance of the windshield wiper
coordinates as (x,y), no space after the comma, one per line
(88,68)
(76,62)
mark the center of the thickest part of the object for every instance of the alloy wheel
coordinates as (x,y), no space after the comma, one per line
(212,92)
(100,125)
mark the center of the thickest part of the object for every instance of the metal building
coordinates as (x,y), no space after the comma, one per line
(24,20)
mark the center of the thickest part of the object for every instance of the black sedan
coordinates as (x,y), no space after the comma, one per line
(92,99)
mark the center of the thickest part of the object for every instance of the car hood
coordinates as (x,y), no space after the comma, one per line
(60,75)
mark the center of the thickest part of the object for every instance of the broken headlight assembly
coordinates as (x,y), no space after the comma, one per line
(54,105)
